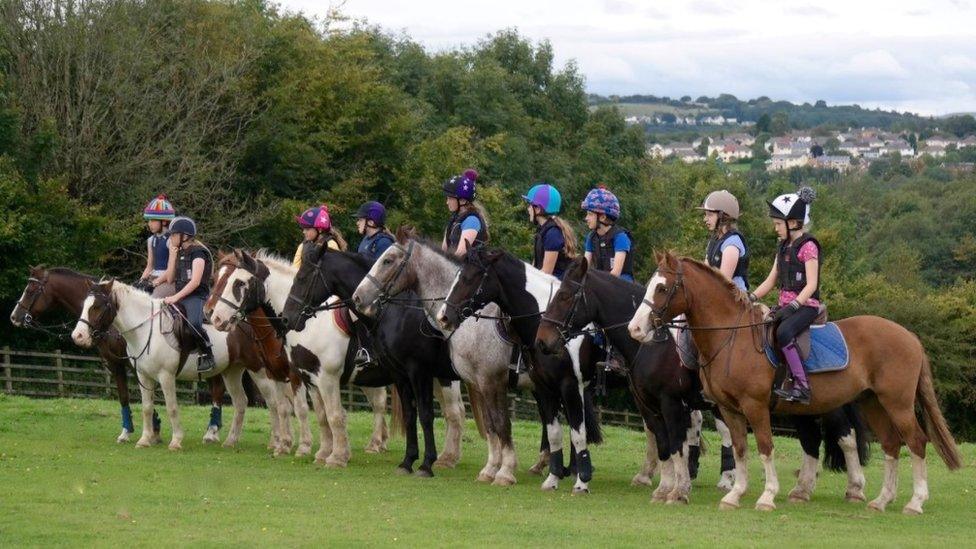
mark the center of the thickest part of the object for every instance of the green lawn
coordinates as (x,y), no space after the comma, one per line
(64,481)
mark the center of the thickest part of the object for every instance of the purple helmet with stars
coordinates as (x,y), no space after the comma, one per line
(462,186)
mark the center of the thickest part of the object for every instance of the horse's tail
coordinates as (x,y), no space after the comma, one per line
(398,425)
(935,424)
(477,410)
(590,419)
(840,423)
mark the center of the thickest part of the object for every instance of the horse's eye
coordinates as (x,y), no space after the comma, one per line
(387,261)
(660,290)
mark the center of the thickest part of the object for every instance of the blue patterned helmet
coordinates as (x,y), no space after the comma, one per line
(462,187)
(600,200)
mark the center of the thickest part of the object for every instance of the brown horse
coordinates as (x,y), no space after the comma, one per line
(258,344)
(60,288)
(888,373)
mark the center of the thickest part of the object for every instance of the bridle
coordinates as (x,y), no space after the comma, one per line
(384,288)
(308,310)
(252,297)
(657,314)
(41,283)
(109,308)
(565,326)
(467,308)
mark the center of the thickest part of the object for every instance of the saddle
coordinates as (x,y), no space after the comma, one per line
(178,333)
(822,347)
(343,320)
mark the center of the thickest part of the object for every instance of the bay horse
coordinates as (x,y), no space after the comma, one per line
(139,319)
(888,374)
(251,290)
(60,288)
(660,382)
(399,340)
(481,356)
(522,292)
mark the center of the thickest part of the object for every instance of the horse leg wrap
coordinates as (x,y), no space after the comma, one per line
(556,464)
(694,453)
(215,417)
(127,419)
(584,465)
(157,425)
(728,460)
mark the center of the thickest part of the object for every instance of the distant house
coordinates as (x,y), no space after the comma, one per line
(871,154)
(733,151)
(940,141)
(851,148)
(688,155)
(779,162)
(658,150)
(970,141)
(900,147)
(743,139)
(935,151)
(840,162)
(782,145)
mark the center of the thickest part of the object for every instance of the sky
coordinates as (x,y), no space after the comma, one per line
(909,56)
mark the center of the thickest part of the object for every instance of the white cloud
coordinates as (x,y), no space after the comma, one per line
(910,56)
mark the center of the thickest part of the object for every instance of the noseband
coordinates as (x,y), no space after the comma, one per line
(565,326)
(657,315)
(466,308)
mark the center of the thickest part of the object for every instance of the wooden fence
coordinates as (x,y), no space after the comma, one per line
(62,375)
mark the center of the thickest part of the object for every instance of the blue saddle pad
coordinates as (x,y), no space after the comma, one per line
(828,350)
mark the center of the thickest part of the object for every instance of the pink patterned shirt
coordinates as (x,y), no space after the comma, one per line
(807,252)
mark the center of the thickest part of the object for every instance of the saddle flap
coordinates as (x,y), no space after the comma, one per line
(342,320)
(177,331)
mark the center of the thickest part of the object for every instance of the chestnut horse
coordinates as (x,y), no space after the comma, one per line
(888,374)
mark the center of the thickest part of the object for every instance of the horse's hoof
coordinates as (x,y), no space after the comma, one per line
(335,463)
(911,510)
(537,469)
(371,449)
(303,451)
(424,473)
(503,479)
(766,507)
(854,497)
(175,445)
(659,496)
(726,506)
(641,480)
(447,461)
(798,496)
(402,471)
(485,477)
(682,500)
(876,506)
(581,491)
(229,444)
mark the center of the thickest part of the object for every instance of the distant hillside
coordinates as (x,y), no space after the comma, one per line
(801,116)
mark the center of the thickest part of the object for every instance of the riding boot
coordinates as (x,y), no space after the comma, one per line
(801,387)
(206,361)
(613,364)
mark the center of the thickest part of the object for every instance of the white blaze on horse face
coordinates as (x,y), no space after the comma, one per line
(13,314)
(442,310)
(81,335)
(640,324)
(222,312)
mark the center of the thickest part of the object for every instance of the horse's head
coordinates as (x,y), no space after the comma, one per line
(35,299)
(97,313)
(308,289)
(390,275)
(568,310)
(475,286)
(665,298)
(238,291)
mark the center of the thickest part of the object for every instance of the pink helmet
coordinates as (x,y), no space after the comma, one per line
(315,218)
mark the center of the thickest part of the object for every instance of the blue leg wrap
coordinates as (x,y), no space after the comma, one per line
(127,419)
(215,414)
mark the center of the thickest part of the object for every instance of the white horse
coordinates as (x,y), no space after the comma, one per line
(137,316)
(320,351)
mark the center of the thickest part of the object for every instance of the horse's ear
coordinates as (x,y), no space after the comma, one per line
(237,254)
(584,265)
(247,262)
(405,232)
(492,255)
(37,271)
(106,284)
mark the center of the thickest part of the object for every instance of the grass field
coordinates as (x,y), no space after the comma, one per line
(64,481)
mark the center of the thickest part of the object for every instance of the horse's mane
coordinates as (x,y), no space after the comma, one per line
(737,293)
(69,272)
(436,248)
(275,262)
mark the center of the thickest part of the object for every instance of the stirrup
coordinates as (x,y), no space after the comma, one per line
(362,358)
(205,363)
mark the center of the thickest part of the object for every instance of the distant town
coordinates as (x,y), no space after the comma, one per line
(842,151)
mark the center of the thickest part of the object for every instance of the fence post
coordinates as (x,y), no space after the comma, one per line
(8,371)
(59,364)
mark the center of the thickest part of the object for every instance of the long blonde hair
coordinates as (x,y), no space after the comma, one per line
(335,233)
(569,236)
(471,205)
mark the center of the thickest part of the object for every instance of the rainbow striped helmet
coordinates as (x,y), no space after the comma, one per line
(546,197)
(159,208)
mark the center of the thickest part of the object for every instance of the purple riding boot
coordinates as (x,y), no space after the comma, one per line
(801,387)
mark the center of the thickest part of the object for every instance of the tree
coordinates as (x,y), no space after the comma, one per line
(820,104)
(763,124)
(779,124)
(686,99)
(702,148)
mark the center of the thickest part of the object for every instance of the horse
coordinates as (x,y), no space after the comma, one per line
(62,288)
(267,349)
(480,353)
(252,290)
(139,319)
(660,380)
(398,340)
(888,374)
(522,292)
